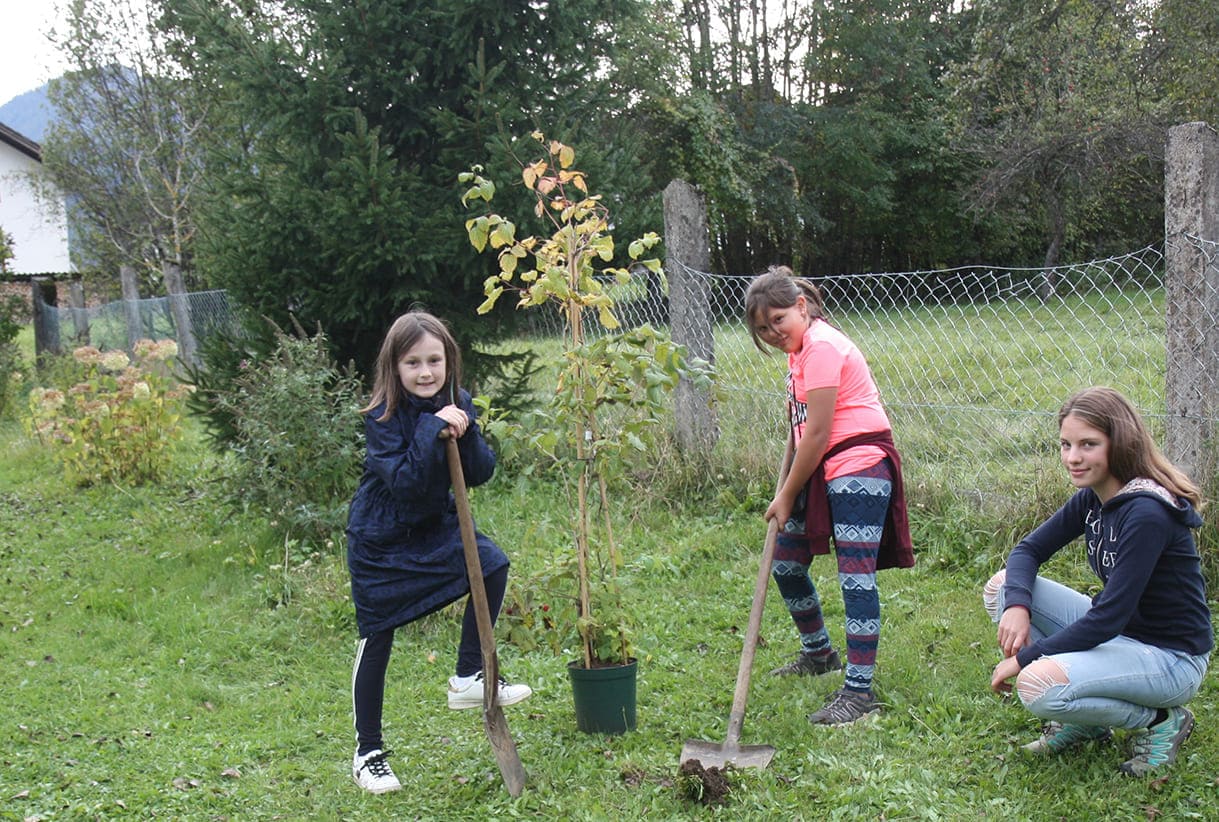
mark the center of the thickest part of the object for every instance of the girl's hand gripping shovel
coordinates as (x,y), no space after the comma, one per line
(496,724)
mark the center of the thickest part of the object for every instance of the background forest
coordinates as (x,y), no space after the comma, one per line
(303,154)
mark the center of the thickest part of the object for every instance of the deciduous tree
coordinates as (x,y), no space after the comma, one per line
(123,145)
(1060,120)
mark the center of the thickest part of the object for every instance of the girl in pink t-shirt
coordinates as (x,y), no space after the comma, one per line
(844,479)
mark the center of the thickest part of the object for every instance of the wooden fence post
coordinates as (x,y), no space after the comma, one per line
(1191,284)
(687,254)
(46,321)
(131,305)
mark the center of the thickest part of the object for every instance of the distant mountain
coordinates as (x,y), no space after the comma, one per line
(29,113)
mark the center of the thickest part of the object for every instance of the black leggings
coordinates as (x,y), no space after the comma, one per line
(372,659)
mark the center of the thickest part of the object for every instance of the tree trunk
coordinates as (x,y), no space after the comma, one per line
(1058,230)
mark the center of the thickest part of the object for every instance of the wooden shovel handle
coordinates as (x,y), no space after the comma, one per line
(474,570)
(494,721)
(740,695)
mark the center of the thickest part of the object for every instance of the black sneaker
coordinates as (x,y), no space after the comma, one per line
(807,664)
(845,706)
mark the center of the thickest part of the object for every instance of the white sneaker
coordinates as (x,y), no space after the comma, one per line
(372,773)
(467,692)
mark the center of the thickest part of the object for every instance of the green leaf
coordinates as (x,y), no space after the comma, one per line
(477,229)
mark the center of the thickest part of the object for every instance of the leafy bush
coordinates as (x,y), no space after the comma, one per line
(297,439)
(118,419)
(12,308)
(224,355)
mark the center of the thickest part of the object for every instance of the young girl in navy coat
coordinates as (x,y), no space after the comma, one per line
(1134,654)
(404,546)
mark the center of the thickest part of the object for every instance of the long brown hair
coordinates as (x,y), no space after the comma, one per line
(778,287)
(401,337)
(1132,451)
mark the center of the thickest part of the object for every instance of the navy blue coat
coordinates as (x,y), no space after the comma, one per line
(404,547)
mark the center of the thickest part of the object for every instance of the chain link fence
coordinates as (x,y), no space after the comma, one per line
(972,362)
(111,325)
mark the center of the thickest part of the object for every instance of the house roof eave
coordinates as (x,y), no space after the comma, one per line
(20,142)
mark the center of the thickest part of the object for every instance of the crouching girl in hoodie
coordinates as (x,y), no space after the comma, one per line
(1132,656)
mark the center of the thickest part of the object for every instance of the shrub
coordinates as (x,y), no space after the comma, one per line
(224,355)
(118,419)
(297,439)
(12,308)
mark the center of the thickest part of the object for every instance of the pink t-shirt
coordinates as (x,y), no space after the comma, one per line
(827,359)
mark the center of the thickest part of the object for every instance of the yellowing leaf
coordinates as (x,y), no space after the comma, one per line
(489,303)
(607,317)
(567,156)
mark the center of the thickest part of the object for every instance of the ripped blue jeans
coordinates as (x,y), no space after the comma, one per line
(1118,684)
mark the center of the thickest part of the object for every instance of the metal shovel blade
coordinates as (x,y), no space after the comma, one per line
(721,755)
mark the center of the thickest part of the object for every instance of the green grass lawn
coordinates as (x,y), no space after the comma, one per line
(165,659)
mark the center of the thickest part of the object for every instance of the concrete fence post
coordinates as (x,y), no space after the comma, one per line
(131,304)
(1191,282)
(179,307)
(80,315)
(687,256)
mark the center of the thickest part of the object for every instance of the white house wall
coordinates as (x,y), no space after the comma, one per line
(39,234)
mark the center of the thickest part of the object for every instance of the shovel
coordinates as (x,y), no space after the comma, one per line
(496,724)
(731,752)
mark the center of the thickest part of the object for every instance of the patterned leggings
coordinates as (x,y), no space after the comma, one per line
(858,505)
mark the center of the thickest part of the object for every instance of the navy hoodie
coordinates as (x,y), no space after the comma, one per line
(1141,545)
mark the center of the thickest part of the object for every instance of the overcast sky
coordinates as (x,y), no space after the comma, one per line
(27,59)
